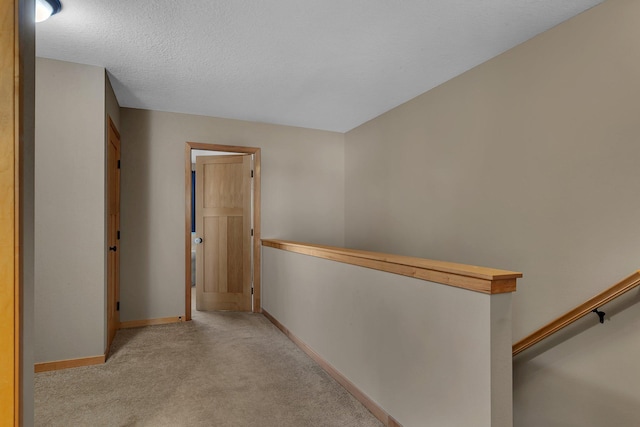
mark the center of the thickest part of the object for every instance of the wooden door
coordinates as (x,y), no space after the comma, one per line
(113,227)
(223,222)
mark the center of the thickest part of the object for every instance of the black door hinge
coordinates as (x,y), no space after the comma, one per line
(251,174)
(118,235)
(252,232)
(251,291)
(118,164)
(118,306)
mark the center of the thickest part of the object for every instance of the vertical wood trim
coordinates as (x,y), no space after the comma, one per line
(10,262)
(256,217)
(18,236)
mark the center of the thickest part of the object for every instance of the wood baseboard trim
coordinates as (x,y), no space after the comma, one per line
(150,322)
(393,423)
(69,363)
(372,406)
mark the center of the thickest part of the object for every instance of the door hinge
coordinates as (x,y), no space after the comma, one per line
(118,234)
(118,306)
(251,174)
(251,290)
(118,164)
(252,232)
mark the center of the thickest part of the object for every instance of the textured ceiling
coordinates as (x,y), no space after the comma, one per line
(325,64)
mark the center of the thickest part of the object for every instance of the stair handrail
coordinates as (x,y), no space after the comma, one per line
(592,305)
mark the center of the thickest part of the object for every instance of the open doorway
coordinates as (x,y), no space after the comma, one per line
(193,150)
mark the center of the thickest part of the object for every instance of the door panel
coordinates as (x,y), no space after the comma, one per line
(234,232)
(223,221)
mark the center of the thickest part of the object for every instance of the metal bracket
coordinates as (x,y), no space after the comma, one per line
(600,314)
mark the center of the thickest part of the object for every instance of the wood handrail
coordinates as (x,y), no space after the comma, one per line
(597,301)
(479,279)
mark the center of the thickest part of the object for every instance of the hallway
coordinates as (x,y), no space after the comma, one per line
(221,369)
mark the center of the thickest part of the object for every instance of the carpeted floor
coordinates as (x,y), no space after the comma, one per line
(221,369)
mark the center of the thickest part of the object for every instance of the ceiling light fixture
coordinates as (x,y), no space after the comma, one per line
(46,8)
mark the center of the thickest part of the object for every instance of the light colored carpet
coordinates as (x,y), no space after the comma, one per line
(221,369)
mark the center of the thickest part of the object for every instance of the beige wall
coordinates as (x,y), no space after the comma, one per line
(69,211)
(529,163)
(428,354)
(111,105)
(302,196)
(526,162)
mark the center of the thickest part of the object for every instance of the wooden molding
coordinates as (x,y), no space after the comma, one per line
(150,322)
(97,360)
(70,363)
(372,406)
(479,279)
(597,301)
(11,184)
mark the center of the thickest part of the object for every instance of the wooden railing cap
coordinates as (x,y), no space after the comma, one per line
(480,279)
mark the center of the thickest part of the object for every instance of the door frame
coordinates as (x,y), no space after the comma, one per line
(256,217)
